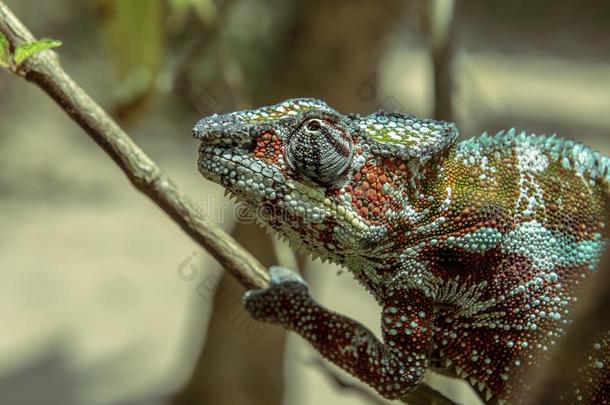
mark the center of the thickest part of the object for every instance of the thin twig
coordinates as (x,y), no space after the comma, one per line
(426,395)
(440,27)
(343,384)
(44,70)
(422,395)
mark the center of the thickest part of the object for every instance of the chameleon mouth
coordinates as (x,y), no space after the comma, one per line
(244,175)
(251,180)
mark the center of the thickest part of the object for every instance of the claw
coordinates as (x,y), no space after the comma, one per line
(280,275)
(247,295)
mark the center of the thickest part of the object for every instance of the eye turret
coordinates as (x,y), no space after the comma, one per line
(320,151)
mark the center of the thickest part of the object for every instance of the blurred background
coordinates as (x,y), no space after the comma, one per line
(105,301)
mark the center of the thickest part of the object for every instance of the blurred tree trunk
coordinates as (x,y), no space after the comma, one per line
(242,360)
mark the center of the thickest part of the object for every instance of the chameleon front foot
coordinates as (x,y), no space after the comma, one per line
(393,369)
(279,302)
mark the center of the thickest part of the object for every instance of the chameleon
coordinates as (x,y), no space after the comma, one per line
(475,250)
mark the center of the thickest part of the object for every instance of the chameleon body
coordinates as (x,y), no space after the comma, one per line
(476,250)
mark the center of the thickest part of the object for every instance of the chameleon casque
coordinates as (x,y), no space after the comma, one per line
(476,250)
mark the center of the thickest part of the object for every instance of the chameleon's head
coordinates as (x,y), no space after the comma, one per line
(331,183)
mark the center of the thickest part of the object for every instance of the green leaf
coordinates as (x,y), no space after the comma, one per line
(5,52)
(29,49)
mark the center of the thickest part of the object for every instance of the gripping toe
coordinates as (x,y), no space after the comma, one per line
(281,275)
(273,304)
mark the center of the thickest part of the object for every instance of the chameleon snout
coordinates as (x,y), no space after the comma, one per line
(223,130)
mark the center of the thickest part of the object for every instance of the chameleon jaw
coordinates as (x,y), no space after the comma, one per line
(245,176)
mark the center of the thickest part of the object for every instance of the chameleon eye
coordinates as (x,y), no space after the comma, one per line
(319,150)
(314,125)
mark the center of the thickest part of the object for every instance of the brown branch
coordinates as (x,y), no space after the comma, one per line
(343,384)
(44,70)
(422,395)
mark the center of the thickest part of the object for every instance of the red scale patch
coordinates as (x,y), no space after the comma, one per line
(268,148)
(368,197)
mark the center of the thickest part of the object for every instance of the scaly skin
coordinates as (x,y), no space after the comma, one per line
(477,251)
